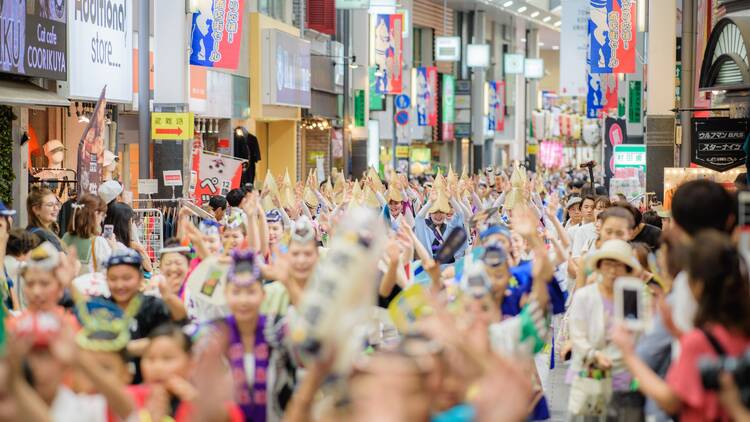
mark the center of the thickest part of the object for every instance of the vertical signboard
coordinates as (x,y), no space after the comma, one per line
(615,133)
(427,96)
(91,149)
(573,47)
(388,53)
(377,100)
(496,117)
(634,102)
(216,34)
(448,102)
(359,108)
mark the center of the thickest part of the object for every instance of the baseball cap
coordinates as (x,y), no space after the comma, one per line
(52,146)
(5,211)
(573,201)
(110,190)
(109,158)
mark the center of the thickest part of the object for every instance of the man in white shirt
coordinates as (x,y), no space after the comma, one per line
(586,233)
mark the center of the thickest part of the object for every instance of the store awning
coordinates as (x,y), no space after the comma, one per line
(27,94)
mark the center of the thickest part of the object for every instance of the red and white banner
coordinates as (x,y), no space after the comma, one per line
(213,174)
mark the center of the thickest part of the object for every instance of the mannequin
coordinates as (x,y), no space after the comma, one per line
(54,151)
(109,164)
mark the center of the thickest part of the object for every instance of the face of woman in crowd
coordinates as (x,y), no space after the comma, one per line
(275,232)
(244,300)
(174,266)
(124,282)
(48,210)
(598,208)
(165,358)
(438,217)
(611,270)
(614,228)
(41,290)
(302,259)
(574,213)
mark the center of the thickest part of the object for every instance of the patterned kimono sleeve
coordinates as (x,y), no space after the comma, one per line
(522,335)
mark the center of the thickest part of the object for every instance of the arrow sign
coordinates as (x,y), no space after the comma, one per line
(176,131)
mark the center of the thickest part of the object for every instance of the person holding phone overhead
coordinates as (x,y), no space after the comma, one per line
(85,233)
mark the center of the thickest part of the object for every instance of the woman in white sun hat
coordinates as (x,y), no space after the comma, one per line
(591,323)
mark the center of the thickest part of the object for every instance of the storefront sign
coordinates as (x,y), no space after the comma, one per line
(172,177)
(634,101)
(630,156)
(718,142)
(217,34)
(612,36)
(427,96)
(148,186)
(286,76)
(574,47)
(388,45)
(359,108)
(377,102)
(420,155)
(91,149)
(103,49)
(447,49)
(448,107)
(402,151)
(615,133)
(34,38)
(172,126)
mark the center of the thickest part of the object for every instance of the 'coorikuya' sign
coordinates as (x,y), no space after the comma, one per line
(102,33)
(33,38)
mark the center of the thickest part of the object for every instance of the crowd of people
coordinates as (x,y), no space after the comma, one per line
(445,298)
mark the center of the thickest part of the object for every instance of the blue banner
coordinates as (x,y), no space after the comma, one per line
(600,50)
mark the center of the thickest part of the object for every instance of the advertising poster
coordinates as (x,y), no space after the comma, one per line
(34,38)
(388,45)
(612,36)
(105,53)
(214,175)
(91,149)
(573,47)
(217,34)
(448,104)
(427,96)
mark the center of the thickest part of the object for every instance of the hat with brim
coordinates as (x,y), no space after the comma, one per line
(616,250)
(573,201)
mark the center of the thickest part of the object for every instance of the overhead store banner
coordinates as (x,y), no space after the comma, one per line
(389,53)
(34,38)
(612,36)
(214,175)
(104,50)
(427,113)
(574,47)
(496,118)
(216,34)
(718,142)
(448,103)
(91,149)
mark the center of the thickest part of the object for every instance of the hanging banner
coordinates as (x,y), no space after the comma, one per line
(359,108)
(602,94)
(214,175)
(388,45)
(91,149)
(615,133)
(497,106)
(448,105)
(217,34)
(377,101)
(612,36)
(427,96)
(551,154)
(573,47)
